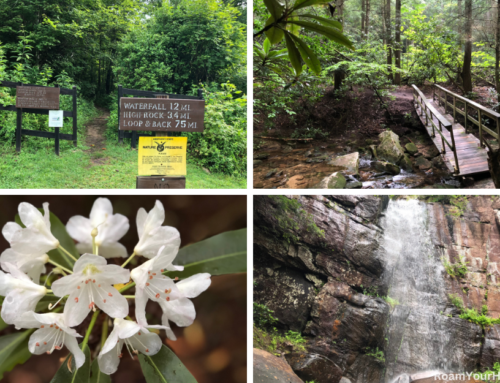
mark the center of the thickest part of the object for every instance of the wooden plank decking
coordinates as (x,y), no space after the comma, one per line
(472,158)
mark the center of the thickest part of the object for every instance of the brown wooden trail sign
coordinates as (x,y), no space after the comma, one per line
(162,114)
(135,134)
(41,107)
(35,97)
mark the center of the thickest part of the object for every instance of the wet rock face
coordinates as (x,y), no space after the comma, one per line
(491,347)
(347,251)
(314,367)
(366,369)
(426,334)
(285,291)
(268,368)
(344,323)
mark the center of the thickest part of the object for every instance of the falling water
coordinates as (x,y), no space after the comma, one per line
(418,336)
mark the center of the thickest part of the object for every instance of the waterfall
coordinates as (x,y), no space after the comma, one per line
(418,335)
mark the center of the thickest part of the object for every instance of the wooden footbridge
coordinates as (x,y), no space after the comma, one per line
(462,152)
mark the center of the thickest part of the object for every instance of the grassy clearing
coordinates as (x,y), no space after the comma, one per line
(77,168)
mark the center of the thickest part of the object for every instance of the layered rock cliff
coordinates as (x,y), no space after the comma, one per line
(364,282)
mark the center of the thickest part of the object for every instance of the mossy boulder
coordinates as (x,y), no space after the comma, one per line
(383,166)
(406,164)
(411,148)
(333,181)
(349,163)
(390,148)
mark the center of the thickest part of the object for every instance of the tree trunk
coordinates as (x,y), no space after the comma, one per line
(362,16)
(367,18)
(466,71)
(397,77)
(388,38)
(497,52)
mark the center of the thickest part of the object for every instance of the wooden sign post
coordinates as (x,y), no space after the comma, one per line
(38,99)
(163,153)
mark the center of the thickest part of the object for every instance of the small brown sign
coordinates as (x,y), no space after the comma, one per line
(34,97)
(159,182)
(162,114)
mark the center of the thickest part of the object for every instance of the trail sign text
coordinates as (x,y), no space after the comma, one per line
(158,114)
(34,97)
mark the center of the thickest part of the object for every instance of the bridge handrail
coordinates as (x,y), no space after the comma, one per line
(435,112)
(481,110)
(430,113)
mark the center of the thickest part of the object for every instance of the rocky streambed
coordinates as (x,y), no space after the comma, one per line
(334,164)
(363,280)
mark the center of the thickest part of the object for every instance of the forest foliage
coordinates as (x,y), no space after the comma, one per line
(167,46)
(391,42)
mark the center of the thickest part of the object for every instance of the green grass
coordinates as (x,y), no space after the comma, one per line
(113,168)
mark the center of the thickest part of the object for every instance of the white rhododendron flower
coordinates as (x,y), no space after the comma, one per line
(134,336)
(181,311)
(52,334)
(152,235)
(90,285)
(32,264)
(152,284)
(111,228)
(21,294)
(36,238)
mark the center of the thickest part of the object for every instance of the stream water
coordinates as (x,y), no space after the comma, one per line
(418,337)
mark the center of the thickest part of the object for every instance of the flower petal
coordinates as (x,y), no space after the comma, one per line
(169,250)
(148,343)
(112,250)
(101,210)
(29,214)
(151,242)
(7,282)
(66,285)
(17,302)
(140,220)
(115,227)
(141,300)
(163,284)
(77,307)
(88,259)
(84,247)
(40,337)
(27,320)
(109,361)
(111,341)
(9,230)
(114,274)
(140,273)
(180,311)
(72,345)
(126,328)
(79,228)
(194,285)
(116,305)
(33,241)
(168,330)
(15,272)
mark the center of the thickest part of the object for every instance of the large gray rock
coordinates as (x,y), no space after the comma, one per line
(333,181)
(411,148)
(267,368)
(491,347)
(366,369)
(314,367)
(285,291)
(349,163)
(389,148)
(406,164)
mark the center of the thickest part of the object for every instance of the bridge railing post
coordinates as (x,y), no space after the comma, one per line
(454,148)
(442,139)
(454,109)
(479,119)
(466,117)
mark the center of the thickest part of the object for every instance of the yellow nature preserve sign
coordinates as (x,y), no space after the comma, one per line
(162,156)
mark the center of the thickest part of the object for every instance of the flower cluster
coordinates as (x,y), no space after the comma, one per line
(90,284)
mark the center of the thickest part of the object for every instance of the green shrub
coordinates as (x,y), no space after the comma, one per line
(456,270)
(263,316)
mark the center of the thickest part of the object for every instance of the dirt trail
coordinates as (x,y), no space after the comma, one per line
(96,139)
